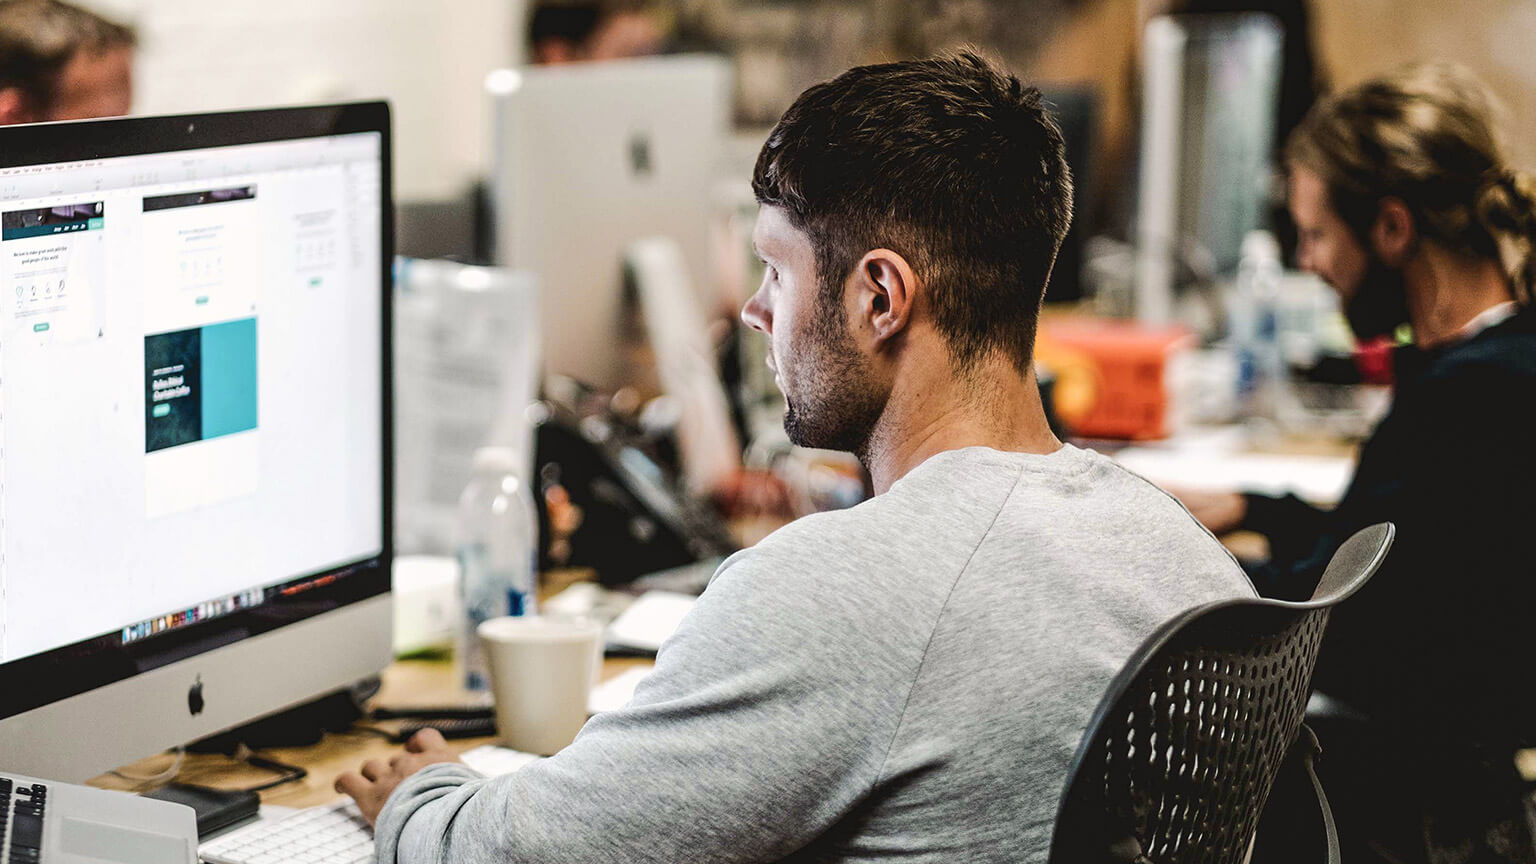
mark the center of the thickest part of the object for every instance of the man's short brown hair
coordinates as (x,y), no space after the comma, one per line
(949,162)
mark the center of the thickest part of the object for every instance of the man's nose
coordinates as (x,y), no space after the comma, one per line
(755,313)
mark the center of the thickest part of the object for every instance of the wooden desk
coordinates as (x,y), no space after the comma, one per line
(406,683)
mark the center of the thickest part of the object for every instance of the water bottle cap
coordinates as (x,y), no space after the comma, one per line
(504,460)
(1261,244)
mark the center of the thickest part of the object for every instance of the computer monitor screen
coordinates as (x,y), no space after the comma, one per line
(194,401)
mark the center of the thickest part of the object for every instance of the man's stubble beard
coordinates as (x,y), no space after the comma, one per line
(837,402)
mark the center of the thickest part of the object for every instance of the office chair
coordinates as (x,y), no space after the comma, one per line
(1178,759)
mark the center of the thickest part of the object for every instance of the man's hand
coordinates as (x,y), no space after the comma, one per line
(370,786)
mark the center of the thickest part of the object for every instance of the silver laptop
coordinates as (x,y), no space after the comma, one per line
(43,822)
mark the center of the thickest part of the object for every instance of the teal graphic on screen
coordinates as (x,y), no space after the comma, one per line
(199,384)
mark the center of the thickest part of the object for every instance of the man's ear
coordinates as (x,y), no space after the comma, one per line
(15,107)
(885,290)
(1394,235)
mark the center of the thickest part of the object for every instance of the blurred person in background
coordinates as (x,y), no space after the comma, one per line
(61,62)
(581,31)
(1406,207)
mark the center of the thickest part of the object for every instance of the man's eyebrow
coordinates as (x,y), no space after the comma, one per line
(758,252)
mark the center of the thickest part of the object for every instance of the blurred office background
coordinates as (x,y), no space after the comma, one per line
(1172,131)
(429,58)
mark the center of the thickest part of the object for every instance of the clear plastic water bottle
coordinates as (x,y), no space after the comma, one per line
(497,552)
(1252,324)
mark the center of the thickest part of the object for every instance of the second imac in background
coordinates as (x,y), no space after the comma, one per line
(603,187)
(589,158)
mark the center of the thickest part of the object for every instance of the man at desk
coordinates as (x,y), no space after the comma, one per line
(1405,205)
(906,680)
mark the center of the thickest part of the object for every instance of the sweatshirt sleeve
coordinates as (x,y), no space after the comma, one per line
(766,719)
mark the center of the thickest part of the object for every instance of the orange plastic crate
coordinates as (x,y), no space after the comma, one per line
(1114,379)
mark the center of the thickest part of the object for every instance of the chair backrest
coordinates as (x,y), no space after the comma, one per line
(1178,760)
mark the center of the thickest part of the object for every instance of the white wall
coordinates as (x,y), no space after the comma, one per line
(1491,37)
(428,57)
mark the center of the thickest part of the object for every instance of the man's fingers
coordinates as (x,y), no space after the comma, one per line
(373,769)
(426,739)
(351,783)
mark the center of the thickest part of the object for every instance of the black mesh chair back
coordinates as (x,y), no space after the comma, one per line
(1177,761)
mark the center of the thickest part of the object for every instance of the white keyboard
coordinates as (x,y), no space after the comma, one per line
(333,833)
(330,834)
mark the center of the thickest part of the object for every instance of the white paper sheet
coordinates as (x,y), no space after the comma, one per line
(649,620)
(616,692)
(1319,479)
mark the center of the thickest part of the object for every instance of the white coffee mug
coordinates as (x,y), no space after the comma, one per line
(542,670)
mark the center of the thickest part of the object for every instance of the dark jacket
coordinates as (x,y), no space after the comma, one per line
(1441,645)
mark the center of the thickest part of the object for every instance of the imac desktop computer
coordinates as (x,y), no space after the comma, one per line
(195,487)
(589,158)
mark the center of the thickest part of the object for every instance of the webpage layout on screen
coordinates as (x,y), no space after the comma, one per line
(190,399)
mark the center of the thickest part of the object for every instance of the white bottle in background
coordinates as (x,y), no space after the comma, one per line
(1253,326)
(497,552)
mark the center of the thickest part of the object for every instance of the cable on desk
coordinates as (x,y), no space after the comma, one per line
(290,773)
(160,779)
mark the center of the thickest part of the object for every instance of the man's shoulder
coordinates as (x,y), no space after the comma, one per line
(882,531)
(1110,539)
(942,512)
(931,519)
(1100,490)
(812,536)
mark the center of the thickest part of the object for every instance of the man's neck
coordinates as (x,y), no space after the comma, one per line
(1447,291)
(996,408)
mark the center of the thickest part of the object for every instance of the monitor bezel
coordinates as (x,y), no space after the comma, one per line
(42,679)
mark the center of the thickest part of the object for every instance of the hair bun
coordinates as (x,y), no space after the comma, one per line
(1508,200)
(1507,208)
(1521,185)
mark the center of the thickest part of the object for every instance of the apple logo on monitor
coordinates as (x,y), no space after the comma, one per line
(640,154)
(195,697)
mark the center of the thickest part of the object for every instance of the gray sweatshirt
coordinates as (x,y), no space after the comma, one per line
(906,680)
